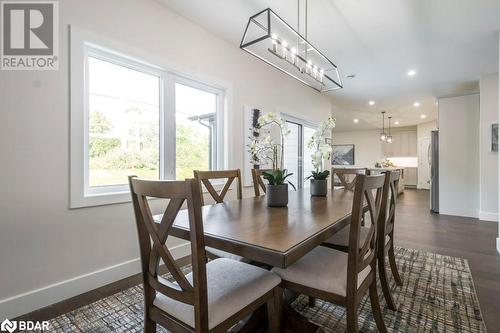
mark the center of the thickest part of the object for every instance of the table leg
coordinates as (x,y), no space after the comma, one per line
(257,323)
(294,322)
(291,320)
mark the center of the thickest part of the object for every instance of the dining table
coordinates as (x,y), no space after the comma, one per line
(274,236)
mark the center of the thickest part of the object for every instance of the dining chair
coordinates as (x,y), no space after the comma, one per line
(215,295)
(203,178)
(347,177)
(258,183)
(340,241)
(386,236)
(339,277)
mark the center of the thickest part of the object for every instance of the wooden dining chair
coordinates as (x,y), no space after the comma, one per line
(340,241)
(217,294)
(347,177)
(339,277)
(258,183)
(204,178)
(386,236)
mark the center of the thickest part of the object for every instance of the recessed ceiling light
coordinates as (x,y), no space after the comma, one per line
(396,123)
(371,103)
(412,72)
(356,120)
(416,104)
(423,116)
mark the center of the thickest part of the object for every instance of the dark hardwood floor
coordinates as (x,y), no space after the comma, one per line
(467,238)
(416,228)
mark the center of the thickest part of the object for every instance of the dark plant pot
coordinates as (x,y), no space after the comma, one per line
(319,187)
(277,195)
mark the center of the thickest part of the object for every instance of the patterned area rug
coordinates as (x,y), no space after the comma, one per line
(437,296)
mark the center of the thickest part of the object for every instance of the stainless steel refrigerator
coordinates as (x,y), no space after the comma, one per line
(434,166)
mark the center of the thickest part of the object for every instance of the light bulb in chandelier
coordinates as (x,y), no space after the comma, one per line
(383,136)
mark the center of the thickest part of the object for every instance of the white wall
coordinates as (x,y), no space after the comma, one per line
(49,252)
(498,239)
(459,155)
(488,160)
(367,146)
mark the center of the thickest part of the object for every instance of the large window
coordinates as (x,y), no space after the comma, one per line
(137,119)
(196,129)
(297,156)
(123,123)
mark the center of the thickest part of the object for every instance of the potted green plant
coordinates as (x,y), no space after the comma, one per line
(321,151)
(266,151)
(277,187)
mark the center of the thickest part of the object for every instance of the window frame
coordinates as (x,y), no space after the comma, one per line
(119,60)
(81,194)
(218,160)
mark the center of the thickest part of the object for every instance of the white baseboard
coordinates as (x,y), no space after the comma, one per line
(36,299)
(487,216)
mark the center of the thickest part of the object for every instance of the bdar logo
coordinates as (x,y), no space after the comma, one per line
(8,326)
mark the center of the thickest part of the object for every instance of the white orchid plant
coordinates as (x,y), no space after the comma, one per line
(321,150)
(265,150)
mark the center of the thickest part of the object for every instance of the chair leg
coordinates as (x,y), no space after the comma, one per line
(352,317)
(149,326)
(385,283)
(377,313)
(394,267)
(312,302)
(149,294)
(274,306)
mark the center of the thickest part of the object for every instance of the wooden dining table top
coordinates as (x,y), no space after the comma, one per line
(276,236)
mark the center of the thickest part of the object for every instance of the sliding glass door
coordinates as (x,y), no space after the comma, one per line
(297,155)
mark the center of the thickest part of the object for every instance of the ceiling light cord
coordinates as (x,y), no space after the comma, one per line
(307,6)
(305,25)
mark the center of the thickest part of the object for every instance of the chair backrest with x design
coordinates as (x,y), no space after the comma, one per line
(204,177)
(152,239)
(362,255)
(347,177)
(388,208)
(258,183)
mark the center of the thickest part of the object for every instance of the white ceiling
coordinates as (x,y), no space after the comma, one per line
(450,43)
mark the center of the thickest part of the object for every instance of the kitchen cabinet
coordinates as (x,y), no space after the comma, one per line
(411,177)
(404,145)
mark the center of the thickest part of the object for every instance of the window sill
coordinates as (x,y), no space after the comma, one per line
(114,198)
(93,200)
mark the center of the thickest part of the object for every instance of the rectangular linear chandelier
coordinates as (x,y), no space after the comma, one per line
(274,41)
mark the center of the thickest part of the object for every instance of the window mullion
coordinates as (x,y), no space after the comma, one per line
(169,128)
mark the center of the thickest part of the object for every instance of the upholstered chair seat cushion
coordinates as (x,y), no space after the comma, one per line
(231,285)
(341,238)
(323,268)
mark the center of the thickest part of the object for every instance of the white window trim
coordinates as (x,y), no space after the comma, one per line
(220,93)
(303,123)
(80,49)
